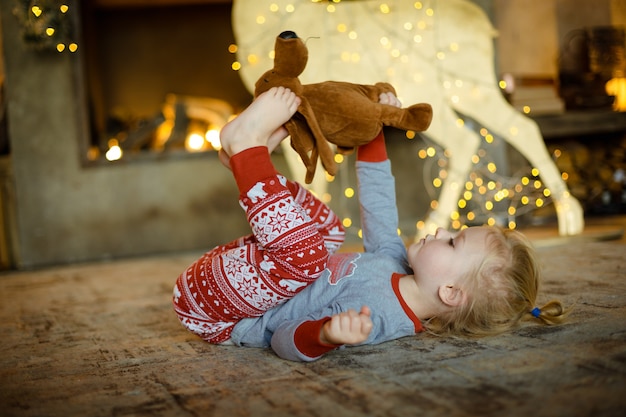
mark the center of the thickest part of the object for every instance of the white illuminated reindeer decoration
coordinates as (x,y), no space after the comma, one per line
(437,51)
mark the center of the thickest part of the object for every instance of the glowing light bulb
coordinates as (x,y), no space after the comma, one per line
(213,137)
(194,142)
(115,152)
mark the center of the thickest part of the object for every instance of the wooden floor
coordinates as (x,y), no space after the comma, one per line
(102,340)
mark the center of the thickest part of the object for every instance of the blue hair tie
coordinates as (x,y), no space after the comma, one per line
(535,312)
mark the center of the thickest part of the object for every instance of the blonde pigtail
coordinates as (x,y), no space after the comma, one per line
(553,312)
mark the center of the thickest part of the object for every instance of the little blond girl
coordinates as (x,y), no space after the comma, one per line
(287,287)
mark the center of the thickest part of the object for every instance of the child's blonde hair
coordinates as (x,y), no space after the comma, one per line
(501,292)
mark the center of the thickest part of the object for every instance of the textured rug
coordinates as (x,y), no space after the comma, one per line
(102,340)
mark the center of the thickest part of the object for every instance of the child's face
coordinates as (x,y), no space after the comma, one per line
(443,259)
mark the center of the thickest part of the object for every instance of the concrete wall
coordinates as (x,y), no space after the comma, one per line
(532,32)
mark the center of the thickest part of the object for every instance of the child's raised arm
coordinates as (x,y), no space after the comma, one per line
(377,200)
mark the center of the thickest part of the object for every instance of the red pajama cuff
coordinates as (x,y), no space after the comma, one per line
(374,151)
(307,339)
(251,166)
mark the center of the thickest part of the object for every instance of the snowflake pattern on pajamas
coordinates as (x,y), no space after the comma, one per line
(288,250)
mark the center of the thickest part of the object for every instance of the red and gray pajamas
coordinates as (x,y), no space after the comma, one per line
(293,233)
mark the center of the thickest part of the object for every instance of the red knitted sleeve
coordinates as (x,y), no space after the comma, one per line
(251,166)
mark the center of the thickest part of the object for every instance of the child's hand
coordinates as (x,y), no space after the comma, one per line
(347,328)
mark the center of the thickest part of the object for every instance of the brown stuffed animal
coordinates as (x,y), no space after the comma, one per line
(342,113)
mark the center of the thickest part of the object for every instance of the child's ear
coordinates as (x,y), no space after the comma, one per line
(451,295)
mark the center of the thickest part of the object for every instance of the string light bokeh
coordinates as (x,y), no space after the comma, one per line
(491,195)
(47,25)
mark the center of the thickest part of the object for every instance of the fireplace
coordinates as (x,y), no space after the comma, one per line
(159,77)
